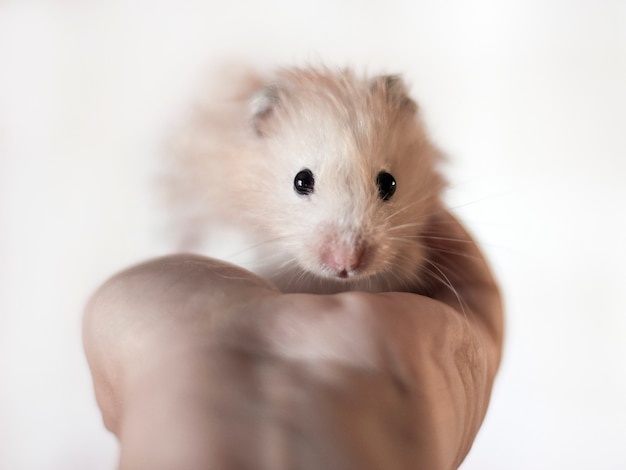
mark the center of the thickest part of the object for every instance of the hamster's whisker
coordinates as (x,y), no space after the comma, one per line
(411,240)
(403,273)
(426,235)
(402,209)
(403,276)
(260,244)
(454,253)
(406,226)
(445,280)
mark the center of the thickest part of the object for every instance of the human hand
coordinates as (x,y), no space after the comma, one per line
(199,364)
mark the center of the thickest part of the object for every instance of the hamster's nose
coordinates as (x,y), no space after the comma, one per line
(344,261)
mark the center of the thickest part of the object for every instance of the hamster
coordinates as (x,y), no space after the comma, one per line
(325,177)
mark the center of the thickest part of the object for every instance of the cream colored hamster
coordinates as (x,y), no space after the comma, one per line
(325,178)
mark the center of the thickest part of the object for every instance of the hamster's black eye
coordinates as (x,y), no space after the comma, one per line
(304,182)
(386,185)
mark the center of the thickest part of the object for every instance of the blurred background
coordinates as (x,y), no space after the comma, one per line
(527,97)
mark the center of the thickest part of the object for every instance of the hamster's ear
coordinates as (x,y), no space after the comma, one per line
(395,91)
(262,105)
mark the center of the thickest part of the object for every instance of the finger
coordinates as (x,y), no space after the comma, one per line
(148,309)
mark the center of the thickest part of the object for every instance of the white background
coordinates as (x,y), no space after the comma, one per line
(528,97)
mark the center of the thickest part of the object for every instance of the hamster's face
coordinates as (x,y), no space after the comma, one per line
(354,182)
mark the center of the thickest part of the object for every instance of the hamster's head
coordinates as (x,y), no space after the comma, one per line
(345,178)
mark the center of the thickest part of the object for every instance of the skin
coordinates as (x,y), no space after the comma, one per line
(199,365)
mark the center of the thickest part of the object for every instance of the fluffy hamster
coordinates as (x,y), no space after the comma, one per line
(326,178)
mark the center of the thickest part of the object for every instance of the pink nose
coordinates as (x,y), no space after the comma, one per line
(343,260)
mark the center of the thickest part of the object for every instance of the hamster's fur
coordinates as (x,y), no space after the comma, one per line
(237,168)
